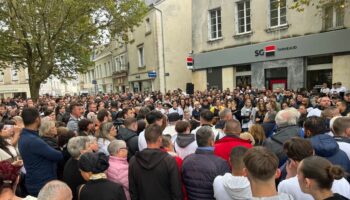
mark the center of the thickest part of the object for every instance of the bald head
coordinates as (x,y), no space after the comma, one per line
(232,127)
(55,190)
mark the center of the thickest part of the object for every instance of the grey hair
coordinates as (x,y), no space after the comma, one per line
(77,144)
(55,190)
(105,128)
(287,117)
(115,145)
(45,127)
(224,112)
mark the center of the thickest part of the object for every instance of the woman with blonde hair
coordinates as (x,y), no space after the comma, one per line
(48,132)
(107,133)
(257,131)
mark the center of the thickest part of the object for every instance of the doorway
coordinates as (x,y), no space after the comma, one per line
(276,78)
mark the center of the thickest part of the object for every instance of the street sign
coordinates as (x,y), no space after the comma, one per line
(152,74)
(94,82)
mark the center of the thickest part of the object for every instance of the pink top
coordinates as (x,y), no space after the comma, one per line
(118,172)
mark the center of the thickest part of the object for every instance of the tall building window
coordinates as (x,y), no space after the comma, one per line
(104,70)
(148,25)
(14,74)
(215,24)
(278,13)
(1,76)
(117,63)
(122,62)
(243,16)
(26,73)
(141,56)
(334,16)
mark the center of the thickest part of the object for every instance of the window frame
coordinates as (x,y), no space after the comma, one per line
(141,56)
(336,15)
(279,8)
(12,75)
(210,25)
(244,2)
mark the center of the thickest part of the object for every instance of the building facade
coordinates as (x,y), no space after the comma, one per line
(14,83)
(266,44)
(158,48)
(55,87)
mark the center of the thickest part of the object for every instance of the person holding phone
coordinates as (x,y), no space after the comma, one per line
(7,151)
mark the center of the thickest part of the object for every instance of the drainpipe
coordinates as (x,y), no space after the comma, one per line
(163,51)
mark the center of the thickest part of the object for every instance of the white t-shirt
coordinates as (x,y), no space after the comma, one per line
(228,187)
(142,141)
(344,146)
(291,186)
(103,145)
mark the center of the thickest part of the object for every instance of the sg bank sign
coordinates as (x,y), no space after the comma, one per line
(270,50)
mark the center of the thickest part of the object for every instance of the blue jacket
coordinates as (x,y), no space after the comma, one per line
(199,171)
(39,160)
(326,146)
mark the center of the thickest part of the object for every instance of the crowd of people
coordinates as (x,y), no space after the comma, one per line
(239,144)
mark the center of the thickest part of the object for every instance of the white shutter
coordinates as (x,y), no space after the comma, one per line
(236,18)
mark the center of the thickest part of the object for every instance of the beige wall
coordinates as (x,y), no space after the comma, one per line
(199,79)
(177,40)
(341,70)
(228,79)
(307,22)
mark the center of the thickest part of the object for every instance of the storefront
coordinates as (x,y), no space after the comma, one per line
(144,82)
(298,62)
(16,90)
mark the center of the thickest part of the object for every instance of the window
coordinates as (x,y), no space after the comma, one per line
(243,17)
(1,76)
(334,16)
(215,24)
(26,73)
(104,70)
(148,25)
(122,62)
(141,57)
(117,64)
(14,74)
(109,69)
(278,11)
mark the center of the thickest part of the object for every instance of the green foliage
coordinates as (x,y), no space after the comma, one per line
(300,5)
(56,37)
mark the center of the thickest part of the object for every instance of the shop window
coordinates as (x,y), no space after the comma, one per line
(243,68)
(319,60)
(316,78)
(243,81)
(278,13)
(215,24)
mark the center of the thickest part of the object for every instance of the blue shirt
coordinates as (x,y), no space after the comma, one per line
(39,160)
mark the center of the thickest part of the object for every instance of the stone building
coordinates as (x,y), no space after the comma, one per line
(266,44)
(14,83)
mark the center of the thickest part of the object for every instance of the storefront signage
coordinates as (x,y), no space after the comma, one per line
(152,74)
(269,51)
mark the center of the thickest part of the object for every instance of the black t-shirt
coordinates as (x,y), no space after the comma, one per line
(336,196)
(101,189)
(72,176)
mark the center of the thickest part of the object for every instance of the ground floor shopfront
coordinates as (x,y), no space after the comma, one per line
(300,62)
(144,82)
(15,90)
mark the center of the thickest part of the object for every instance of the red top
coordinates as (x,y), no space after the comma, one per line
(224,146)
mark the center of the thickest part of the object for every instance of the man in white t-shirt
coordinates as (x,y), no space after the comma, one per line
(297,149)
(153,117)
(341,131)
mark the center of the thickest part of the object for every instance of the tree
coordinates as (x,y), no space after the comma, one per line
(300,5)
(56,37)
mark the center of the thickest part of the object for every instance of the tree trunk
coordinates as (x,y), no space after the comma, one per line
(34,87)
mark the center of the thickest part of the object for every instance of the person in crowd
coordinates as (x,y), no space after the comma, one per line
(176,109)
(153,164)
(286,121)
(257,131)
(97,187)
(184,142)
(298,149)
(91,112)
(196,111)
(303,115)
(172,119)
(9,176)
(85,127)
(233,185)
(316,176)
(325,102)
(259,114)
(7,151)
(246,114)
(224,146)
(261,169)
(200,169)
(71,174)
(75,114)
(128,113)
(118,165)
(48,132)
(153,117)
(323,144)
(341,131)
(104,116)
(224,115)
(55,190)
(342,107)
(269,124)
(325,90)
(129,135)
(107,133)
(39,158)
(59,111)
(206,118)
